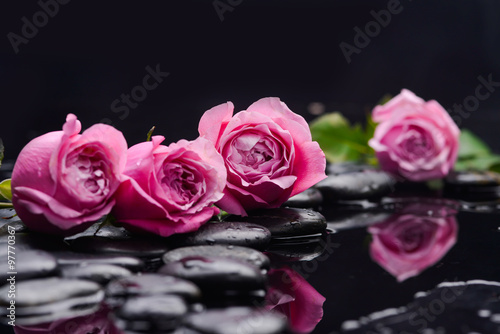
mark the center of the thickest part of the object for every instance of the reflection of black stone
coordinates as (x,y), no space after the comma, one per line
(152,314)
(27,264)
(48,299)
(453,307)
(286,222)
(473,185)
(301,249)
(310,198)
(227,233)
(72,259)
(237,320)
(242,254)
(100,273)
(366,184)
(150,284)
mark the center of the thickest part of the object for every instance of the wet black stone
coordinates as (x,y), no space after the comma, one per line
(216,273)
(72,259)
(48,299)
(452,307)
(106,231)
(150,313)
(344,219)
(227,233)
(366,184)
(12,227)
(242,254)
(318,248)
(100,273)
(237,320)
(7,215)
(473,185)
(346,167)
(310,198)
(27,264)
(34,241)
(286,222)
(142,247)
(150,284)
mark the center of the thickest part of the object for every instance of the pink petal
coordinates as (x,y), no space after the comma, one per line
(214,121)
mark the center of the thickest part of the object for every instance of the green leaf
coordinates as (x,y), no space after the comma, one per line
(486,162)
(150,133)
(5,190)
(471,146)
(2,149)
(338,139)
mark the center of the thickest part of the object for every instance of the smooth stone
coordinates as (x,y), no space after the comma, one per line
(151,313)
(243,254)
(106,231)
(346,167)
(216,273)
(366,184)
(34,241)
(100,273)
(48,299)
(7,216)
(13,227)
(80,259)
(345,220)
(138,246)
(473,185)
(310,198)
(27,264)
(286,222)
(233,320)
(302,250)
(151,284)
(228,233)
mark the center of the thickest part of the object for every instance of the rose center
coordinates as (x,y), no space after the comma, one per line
(256,155)
(181,183)
(88,168)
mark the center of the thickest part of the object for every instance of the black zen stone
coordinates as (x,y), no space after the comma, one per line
(105,231)
(34,241)
(142,247)
(151,313)
(233,320)
(80,259)
(310,198)
(27,264)
(216,273)
(473,185)
(228,233)
(242,254)
(100,273)
(48,299)
(150,284)
(286,222)
(14,226)
(302,250)
(366,184)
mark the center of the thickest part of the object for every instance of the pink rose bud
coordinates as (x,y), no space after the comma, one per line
(63,181)
(414,239)
(415,140)
(268,153)
(170,189)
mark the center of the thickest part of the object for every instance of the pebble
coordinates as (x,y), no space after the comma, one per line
(31,240)
(150,313)
(310,198)
(242,254)
(216,273)
(366,184)
(100,273)
(286,222)
(473,185)
(48,299)
(228,233)
(12,227)
(302,250)
(72,259)
(27,264)
(233,320)
(141,247)
(150,284)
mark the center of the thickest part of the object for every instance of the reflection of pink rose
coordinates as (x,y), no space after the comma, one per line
(268,152)
(415,139)
(170,189)
(410,241)
(62,181)
(293,296)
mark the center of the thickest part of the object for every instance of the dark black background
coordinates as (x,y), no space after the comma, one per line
(91,52)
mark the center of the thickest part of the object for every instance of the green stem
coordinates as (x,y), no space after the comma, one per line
(4,205)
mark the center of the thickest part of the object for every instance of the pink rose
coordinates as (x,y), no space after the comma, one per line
(170,189)
(415,139)
(293,296)
(63,181)
(414,239)
(268,153)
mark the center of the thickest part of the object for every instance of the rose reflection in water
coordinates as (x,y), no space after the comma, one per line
(290,294)
(413,239)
